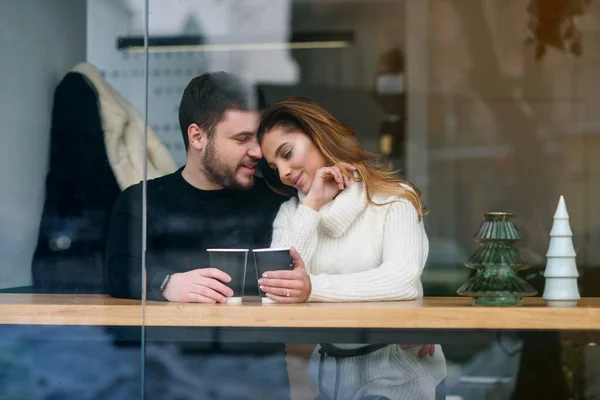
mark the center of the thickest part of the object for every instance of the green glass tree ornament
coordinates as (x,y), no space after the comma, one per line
(496,260)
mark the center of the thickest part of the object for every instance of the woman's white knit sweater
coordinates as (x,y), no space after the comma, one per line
(355,251)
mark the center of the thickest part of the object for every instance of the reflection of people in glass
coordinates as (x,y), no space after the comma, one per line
(361,237)
(213,202)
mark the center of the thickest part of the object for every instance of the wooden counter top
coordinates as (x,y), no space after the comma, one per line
(429,313)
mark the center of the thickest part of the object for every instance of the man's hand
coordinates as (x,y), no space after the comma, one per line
(278,284)
(426,349)
(203,285)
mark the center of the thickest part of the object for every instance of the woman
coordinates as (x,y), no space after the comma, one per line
(361,238)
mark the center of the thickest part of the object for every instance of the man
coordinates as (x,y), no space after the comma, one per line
(213,202)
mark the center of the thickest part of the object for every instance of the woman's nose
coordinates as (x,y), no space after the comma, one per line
(285,174)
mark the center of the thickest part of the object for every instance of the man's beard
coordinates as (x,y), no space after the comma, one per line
(221,173)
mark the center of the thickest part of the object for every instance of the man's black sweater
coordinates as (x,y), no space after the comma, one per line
(182,222)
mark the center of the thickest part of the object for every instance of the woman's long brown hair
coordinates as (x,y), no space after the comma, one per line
(338,143)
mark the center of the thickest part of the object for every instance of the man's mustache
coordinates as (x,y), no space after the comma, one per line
(252,162)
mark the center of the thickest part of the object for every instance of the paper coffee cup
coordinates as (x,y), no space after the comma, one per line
(275,259)
(233,262)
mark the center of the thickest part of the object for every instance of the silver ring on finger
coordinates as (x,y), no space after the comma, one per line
(287,292)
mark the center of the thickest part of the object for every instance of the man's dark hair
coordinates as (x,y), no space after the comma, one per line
(209,96)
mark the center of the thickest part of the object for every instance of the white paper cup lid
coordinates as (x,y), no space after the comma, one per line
(271,249)
(229,250)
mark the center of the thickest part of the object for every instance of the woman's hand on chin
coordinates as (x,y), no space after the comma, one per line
(328,183)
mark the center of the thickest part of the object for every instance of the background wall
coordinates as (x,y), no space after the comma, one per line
(511,132)
(40,40)
(216,21)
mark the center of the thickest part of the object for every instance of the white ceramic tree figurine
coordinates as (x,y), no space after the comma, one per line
(561,269)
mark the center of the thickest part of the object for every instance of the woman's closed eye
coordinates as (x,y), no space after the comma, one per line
(287,155)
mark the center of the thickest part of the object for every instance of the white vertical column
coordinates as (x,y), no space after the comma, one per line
(417,72)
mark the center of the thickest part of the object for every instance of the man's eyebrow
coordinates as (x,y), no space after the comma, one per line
(244,133)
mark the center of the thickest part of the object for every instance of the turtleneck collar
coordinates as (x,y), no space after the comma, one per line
(338,214)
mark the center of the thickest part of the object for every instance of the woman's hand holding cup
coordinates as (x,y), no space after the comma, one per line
(287,286)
